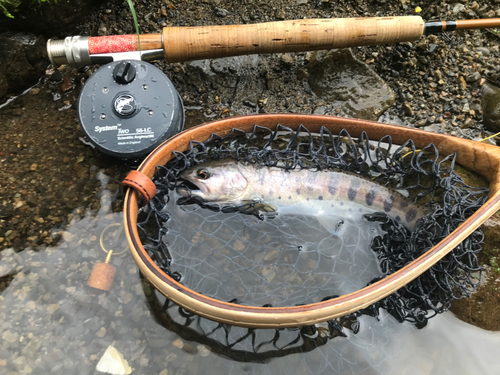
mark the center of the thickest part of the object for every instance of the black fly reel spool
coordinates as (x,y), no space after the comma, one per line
(127,108)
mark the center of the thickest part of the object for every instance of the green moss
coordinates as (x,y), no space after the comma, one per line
(495,261)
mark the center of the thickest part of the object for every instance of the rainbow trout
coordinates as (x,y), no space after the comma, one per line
(306,192)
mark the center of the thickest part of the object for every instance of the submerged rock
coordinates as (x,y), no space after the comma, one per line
(347,83)
(112,362)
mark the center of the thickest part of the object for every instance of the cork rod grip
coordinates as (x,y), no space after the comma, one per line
(202,42)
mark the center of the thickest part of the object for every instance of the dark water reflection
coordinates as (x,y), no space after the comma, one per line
(51,322)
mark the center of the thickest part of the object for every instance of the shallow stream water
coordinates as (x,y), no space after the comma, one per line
(282,261)
(53,323)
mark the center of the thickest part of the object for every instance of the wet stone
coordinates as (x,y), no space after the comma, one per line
(66,85)
(407,110)
(220,12)
(101,333)
(93,323)
(287,60)
(473,77)
(143,361)
(490,104)
(128,297)
(238,245)
(113,362)
(75,331)
(156,343)
(188,348)
(280,14)
(203,350)
(56,76)
(136,315)
(231,66)
(349,84)
(483,50)
(321,110)
(462,82)
(178,343)
(250,104)
(458,8)
(10,336)
(20,362)
(482,10)
(421,123)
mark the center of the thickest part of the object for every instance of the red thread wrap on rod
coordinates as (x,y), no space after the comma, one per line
(112,44)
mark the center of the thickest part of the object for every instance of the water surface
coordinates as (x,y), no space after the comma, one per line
(52,322)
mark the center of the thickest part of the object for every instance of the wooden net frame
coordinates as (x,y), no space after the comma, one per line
(481,158)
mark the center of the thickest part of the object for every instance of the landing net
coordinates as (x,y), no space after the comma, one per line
(200,247)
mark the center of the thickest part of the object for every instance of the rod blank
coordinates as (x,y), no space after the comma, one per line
(207,42)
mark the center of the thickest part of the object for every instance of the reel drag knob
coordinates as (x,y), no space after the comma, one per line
(124,73)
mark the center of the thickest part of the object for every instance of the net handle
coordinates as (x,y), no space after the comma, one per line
(481,158)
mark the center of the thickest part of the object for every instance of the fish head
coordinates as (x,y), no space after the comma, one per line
(215,181)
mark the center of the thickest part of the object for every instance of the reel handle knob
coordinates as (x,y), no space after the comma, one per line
(124,73)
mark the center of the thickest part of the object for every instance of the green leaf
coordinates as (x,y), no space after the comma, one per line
(8,6)
(131,5)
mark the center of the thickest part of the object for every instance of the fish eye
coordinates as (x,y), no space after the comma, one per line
(203,174)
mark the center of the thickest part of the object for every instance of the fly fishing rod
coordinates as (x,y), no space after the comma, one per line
(177,44)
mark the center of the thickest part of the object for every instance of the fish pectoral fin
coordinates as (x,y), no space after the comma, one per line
(332,224)
(260,210)
(267,210)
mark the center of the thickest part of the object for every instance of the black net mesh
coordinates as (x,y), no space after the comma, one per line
(239,258)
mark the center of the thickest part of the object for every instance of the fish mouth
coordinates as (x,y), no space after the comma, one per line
(188,189)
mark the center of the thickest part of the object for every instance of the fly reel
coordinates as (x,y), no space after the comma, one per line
(127,108)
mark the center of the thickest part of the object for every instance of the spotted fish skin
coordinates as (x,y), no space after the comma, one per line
(318,192)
